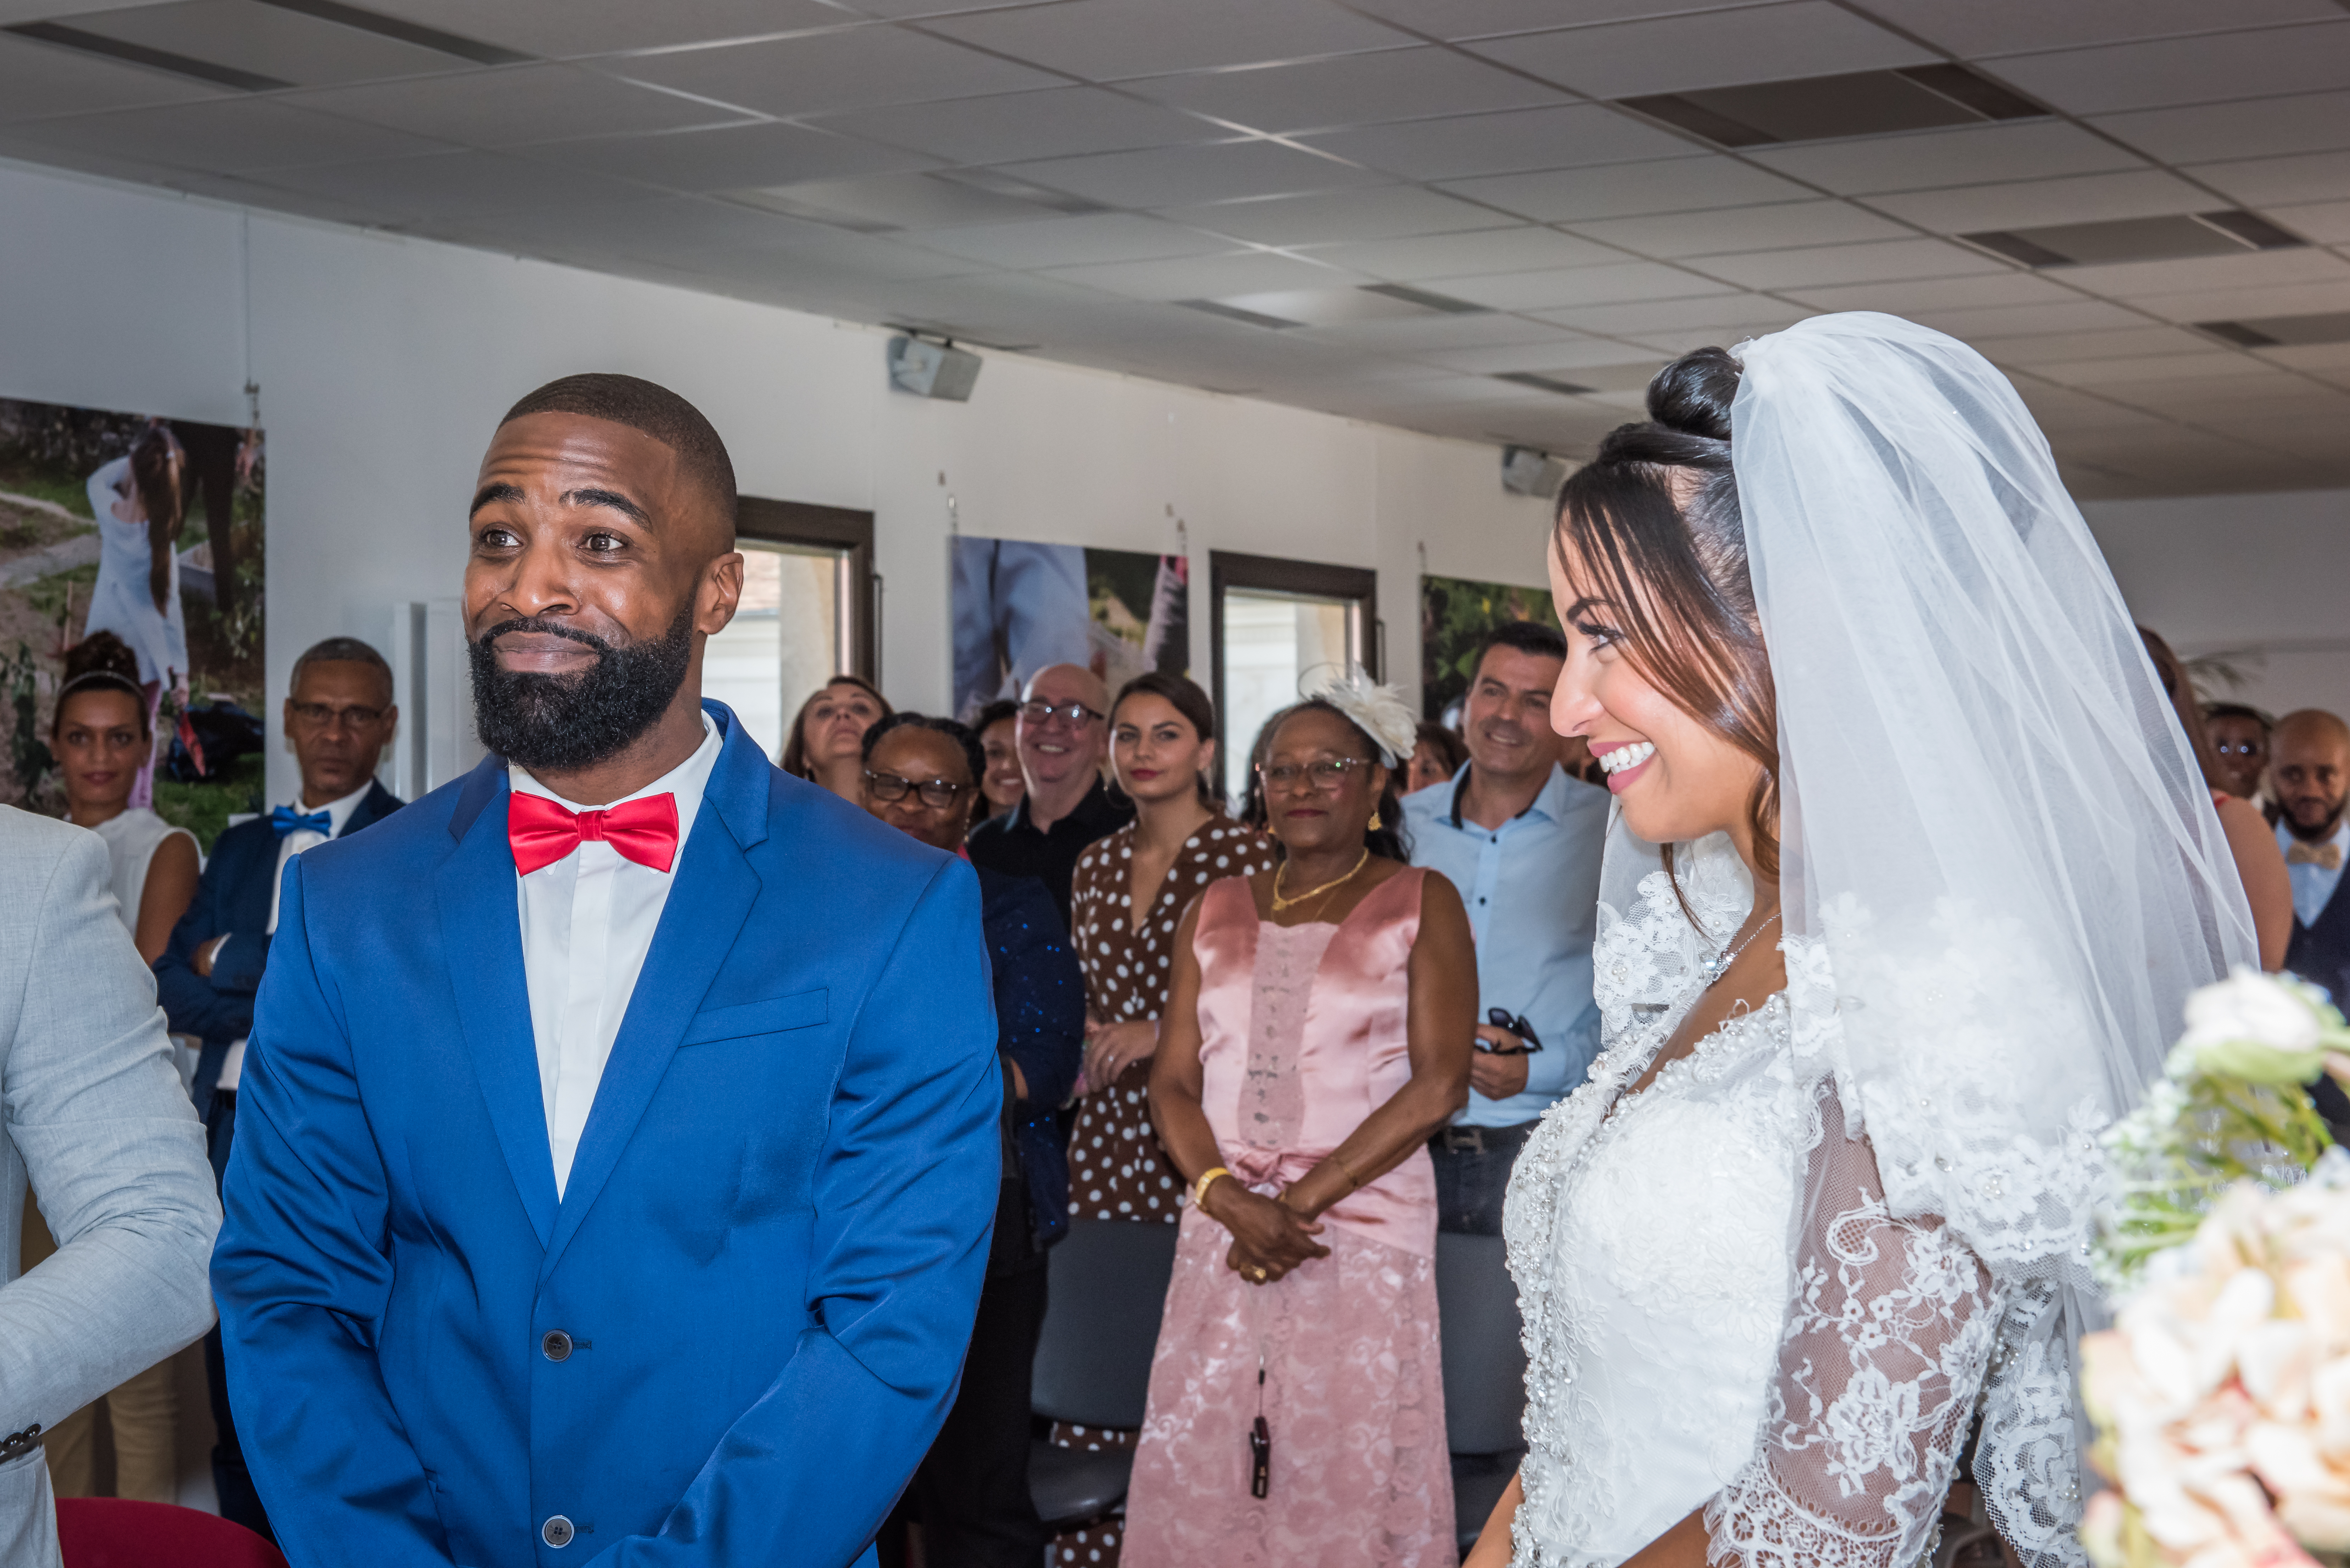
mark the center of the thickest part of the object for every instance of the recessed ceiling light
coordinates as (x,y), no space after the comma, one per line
(1546,383)
(406,32)
(1236,313)
(2281,331)
(1426,299)
(1817,108)
(133,53)
(2227,232)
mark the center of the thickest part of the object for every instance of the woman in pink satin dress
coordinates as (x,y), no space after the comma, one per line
(1317,1031)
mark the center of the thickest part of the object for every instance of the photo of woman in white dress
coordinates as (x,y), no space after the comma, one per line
(139,500)
(1937,872)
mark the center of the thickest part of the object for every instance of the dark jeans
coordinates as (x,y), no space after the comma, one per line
(231,1483)
(1473,1175)
(970,1494)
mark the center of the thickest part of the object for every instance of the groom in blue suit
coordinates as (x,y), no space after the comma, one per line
(617,1146)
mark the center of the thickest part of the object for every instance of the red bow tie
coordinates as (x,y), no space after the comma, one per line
(542,833)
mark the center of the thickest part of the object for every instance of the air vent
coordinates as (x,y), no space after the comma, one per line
(133,53)
(423,37)
(1443,303)
(2227,232)
(2281,331)
(1236,313)
(1817,108)
(1542,383)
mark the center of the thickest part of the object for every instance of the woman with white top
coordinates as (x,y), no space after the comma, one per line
(101,737)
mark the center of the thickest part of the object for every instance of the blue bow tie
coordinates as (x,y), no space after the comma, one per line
(286,820)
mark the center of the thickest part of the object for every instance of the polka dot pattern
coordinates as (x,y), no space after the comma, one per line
(1117,1168)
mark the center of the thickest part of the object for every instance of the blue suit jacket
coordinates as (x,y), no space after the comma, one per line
(767,1259)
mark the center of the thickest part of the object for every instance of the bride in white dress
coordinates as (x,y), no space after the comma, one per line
(1942,870)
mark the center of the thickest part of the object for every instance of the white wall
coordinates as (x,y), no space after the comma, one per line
(2264,579)
(384,362)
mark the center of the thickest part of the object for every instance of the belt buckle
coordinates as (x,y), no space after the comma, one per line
(1464,1140)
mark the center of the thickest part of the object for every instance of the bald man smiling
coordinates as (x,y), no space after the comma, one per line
(617,1151)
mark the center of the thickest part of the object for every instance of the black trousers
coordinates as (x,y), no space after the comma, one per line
(970,1494)
(231,1483)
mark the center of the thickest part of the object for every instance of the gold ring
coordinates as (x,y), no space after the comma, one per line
(1259,1276)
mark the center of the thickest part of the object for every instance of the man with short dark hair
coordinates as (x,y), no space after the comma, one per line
(2310,770)
(1063,734)
(1521,838)
(339,715)
(619,1144)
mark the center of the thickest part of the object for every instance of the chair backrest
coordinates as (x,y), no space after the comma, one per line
(1485,1360)
(122,1532)
(1107,1289)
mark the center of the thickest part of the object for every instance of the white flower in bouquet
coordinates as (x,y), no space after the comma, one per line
(2261,1028)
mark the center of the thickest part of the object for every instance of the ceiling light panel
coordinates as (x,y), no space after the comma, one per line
(2022,150)
(40,79)
(1334,306)
(852,68)
(268,41)
(406,32)
(1465,146)
(1011,128)
(1629,190)
(1686,52)
(2263,63)
(1384,211)
(1182,176)
(2135,239)
(1107,40)
(515,107)
(1352,90)
(187,67)
(1816,108)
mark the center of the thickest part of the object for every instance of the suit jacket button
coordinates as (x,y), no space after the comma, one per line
(556,1531)
(557,1345)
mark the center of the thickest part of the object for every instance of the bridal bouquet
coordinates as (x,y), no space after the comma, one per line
(2222,1394)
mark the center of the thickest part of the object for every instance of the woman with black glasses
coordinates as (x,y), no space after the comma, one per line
(1316,1033)
(970,1494)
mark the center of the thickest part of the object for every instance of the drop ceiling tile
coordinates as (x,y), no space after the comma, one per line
(2319,358)
(732,157)
(1597,358)
(2074,315)
(564,30)
(1007,127)
(2264,62)
(1465,146)
(1202,277)
(2322,223)
(2117,376)
(1882,261)
(1629,190)
(1982,29)
(1419,336)
(237,135)
(1381,213)
(1990,288)
(2257,128)
(134,170)
(1096,237)
(2315,298)
(1527,249)
(854,67)
(267,41)
(1724,229)
(1558,288)
(1458,19)
(403,190)
(2281,182)
(1644,322)
(1351,89)
(2113,343)
(2024,150)
(872,256)
(1182,176)
(1681,54)
(512,106)
(2248,269)
(2028,203)
(1104,41)
(2061,407)
(40,79)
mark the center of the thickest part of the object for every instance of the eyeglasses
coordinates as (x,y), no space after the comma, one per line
(1075,715)
(1502,1018)
(318,716)
(1324,773)
(888,789)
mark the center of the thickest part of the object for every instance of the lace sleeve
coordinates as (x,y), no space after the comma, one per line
(1889,1327)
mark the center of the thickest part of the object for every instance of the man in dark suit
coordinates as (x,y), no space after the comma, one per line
(619,1144)
(339,715)
(2309,768)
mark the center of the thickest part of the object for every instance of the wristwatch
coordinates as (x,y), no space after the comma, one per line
(16,1445)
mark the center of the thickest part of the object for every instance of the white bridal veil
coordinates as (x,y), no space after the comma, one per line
(2001,873)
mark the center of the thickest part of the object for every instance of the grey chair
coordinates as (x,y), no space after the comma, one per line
(1107,1289)
(1485,1374)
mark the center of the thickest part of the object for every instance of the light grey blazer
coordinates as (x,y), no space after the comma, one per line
(92,1107)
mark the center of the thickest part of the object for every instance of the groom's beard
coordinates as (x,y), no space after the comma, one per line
(560,723)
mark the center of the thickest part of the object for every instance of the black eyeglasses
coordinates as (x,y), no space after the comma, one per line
(1075,715)
(1326,774)
(1502,1018)
(889,788)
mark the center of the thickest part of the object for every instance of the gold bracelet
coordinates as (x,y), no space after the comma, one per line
(1354,1182)
(1199,1187)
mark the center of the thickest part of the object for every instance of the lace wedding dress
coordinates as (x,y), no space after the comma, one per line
(1722,1313)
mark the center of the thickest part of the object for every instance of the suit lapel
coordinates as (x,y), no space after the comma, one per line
(481,931)
(707,907)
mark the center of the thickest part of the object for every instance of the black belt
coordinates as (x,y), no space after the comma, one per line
(1479,1141)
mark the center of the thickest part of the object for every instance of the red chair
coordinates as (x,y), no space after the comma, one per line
(117,1532)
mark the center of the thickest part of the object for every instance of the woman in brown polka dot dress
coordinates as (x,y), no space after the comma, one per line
(1163,746)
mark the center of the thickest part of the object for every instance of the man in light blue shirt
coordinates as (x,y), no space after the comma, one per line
(1521,838)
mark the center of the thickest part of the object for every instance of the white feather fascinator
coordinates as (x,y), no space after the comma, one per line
(1379,712)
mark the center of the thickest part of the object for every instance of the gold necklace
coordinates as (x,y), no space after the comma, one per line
(1280,903)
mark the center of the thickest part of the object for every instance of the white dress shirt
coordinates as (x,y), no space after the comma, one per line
(587,922)
(338,816)
(2313,886)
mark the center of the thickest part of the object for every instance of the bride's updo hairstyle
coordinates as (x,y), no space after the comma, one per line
(1651,526)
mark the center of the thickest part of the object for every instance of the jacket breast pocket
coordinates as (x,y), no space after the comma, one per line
(772,1016)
